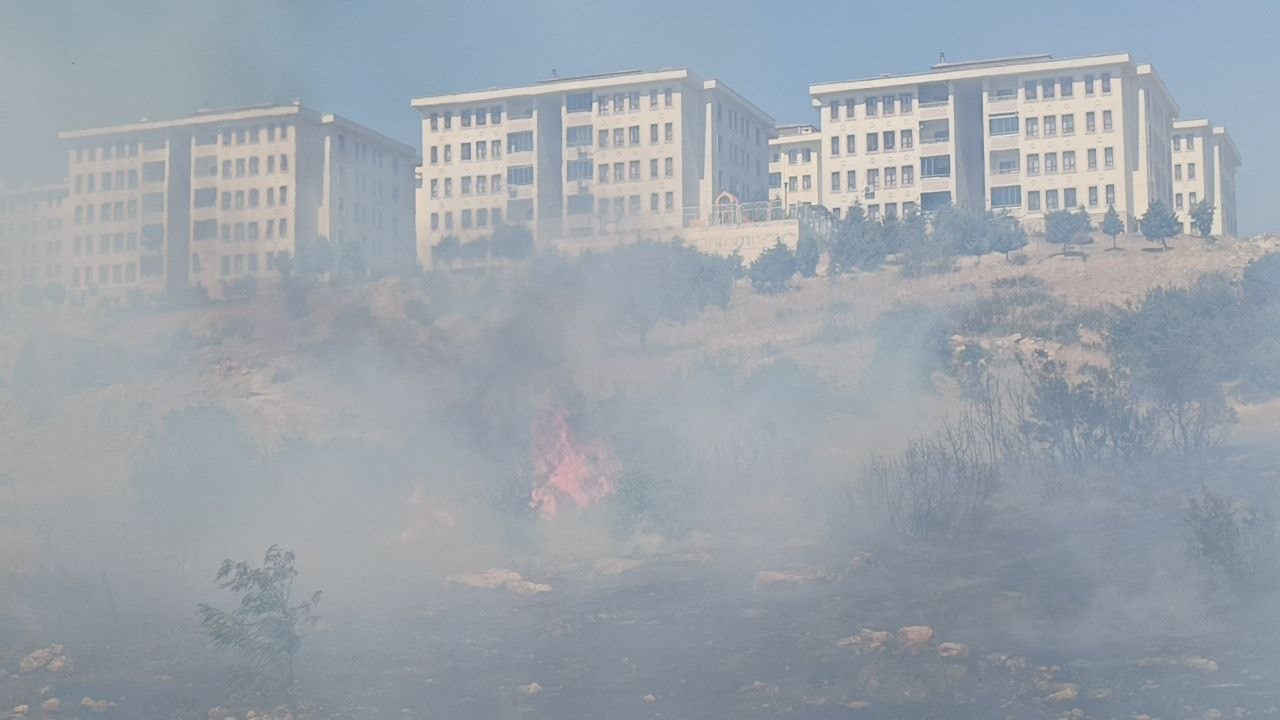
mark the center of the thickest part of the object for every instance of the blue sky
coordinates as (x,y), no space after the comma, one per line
(78,64)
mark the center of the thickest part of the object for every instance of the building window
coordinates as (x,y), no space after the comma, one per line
(1111,194)
(464,152)
(618,137)
(908,175)
(886,103)
(1106,82)
(1108,157)
(1051,199)
(1069,161)
(835,109)
(1177,142)
(835,182)
(669,167)
(1006,197)
(520,141)
(668,131)
(1050,126)
(1093,158)
(666,97)
(1177,172)
(633,134)
(633,170)
(906,102)
(1192,199)
(889,138)
(653,168)
(1003,125)
(835,145)
(907,140)
(466,187)
(1066,87)
(1106,121)
(578,102)
(1050,163)
(891,177)
(873,142)
(1033,164)
(872,107)
(1069,197)
(1177,201)
(602,139)
(576,136)
(1029,90)
(1088,85)
(1069,124)
(1090,122)
(1033,199)
(653,134)
(1191,142)
(1191,171)
(1033,127)
(1047,88)
(873,178)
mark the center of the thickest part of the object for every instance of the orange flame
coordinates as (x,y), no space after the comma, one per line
(563,469)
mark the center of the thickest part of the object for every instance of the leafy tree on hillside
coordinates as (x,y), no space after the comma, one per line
(962,231)
(859,244)
(1159,224)
(1112,225)
(1202,218)
(772,271)
(264,627)
(511,241)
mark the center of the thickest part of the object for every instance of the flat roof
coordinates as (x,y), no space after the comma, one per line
(1191,123)
(1147,70)
(335,119)
(971,70)
(200,117)
(556,85)
(44,188)
(720,86)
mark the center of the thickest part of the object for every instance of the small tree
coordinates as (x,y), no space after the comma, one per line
(446,251)
(511,241)
(1007,235)
(1062,227)
(1159,224)
(771,272)
(1202,218)
(1112,225)
(808,252)
(264,629)
(314,258)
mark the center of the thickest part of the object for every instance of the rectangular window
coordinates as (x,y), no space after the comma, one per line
(1033,199)
(873,142)
(872,107)
(633,101)
(520,141)
(886,104)
(577,171)
(1090,122)
(284,195)
(576,136)
(1093,158)
(873,178)
(1069,161)
(849,106)
(1033,127)
(891,177)
(1069,197)
(1108,157)
(1111,194)
(668,132)
(653,168)
(153,171)
(284,163)
(908,140)
(205,197)
(151,203)
(482,150)
(1050,163)
(888,140)
(495,149)
(1029,90)
(633,170)
(1069,124)
(935,166)
(466,218)
(1191,142)
(1051,199)
(1106,121)
(851,180)
(520,175)
(602,173)
(669,201)
(1050,126)
(1191,171)
(1033,164)
(666,97)
(835,182)
(495,183)
(908,175)
(284,227)
(653,134)
(906,102)
(1006,197)
(602,139)
(633,135)
(618,137)
(835,145)
(835,109)
(448,187)
(1066,87)
(1088,89)
(448,153)
(1192,198)
(653,202)
(482,183)
(1106,82)
(466,186)
(1177,172)
(1177,201)
(1177,142)
(1047,88)
(578,102)
(669,167)
(1003,125)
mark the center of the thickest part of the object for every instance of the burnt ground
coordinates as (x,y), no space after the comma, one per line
(1087,610)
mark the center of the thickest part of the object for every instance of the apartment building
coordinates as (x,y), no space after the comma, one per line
(1024,135)
(31,239)
(1204,168)
(217,196)
(624,153)
(795,167)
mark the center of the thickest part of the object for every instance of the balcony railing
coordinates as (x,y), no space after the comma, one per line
(934,103)
(939,138)
(1005,171)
